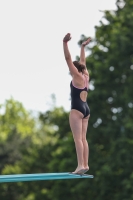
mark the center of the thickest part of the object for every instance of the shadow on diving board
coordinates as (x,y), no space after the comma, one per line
(40,176)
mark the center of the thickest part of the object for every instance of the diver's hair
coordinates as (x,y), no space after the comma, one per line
(79,66)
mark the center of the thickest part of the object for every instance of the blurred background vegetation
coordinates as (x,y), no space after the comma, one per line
(44,143)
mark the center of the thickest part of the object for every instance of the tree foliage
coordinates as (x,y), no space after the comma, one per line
(111,103)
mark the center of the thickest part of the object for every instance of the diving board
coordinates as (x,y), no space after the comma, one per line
(41,176)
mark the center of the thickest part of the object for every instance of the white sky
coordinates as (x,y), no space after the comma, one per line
(32,64)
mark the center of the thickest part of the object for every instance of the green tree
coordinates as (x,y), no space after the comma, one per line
(27,146)
(111,102)
(16,128)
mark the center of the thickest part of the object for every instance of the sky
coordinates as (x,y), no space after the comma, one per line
(32,64)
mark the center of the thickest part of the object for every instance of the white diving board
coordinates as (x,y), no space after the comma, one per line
(41,176)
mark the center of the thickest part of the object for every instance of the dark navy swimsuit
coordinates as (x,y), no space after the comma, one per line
(76,102)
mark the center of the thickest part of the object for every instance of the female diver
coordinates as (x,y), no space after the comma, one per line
(80,112)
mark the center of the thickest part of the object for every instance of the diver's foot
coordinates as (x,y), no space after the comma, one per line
(86,169)
(79,170)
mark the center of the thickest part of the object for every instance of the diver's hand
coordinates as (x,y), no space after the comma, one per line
(67,37)
(86,42)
